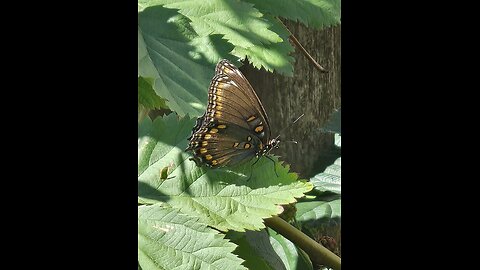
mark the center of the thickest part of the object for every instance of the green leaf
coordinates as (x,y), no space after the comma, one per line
(253,259)
(224,198)
(240,23)
(316,13)
(179,63)
(143,4)
(293,257)
(262,250)
(147,96)
(168,240)
(265,43)
(274,56)
(264,40)
(318,210)
(329,180)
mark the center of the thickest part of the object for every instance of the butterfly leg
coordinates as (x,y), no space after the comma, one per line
(274,168)
(251,168)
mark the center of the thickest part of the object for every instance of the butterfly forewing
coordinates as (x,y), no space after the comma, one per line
(238,80)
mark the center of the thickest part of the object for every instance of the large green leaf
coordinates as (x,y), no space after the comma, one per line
(170,240)
(240,23)
(178,62)
(327,204)
(252,258)
(262,250)
(274,56)
(330,179)
(318,210)
(226,198)
(264,40)
(293,257)
(316,13)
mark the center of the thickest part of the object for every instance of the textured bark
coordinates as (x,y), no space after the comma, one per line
(309,91)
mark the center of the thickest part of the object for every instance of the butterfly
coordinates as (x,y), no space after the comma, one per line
(235,127)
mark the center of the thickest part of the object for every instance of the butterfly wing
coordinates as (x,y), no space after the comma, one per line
(235,126)
(219,145)
(246,96)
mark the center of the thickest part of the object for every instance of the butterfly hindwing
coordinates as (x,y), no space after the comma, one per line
(225,144)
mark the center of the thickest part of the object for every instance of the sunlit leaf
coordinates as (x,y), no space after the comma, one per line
(316,13)
(170,240)
(235,198)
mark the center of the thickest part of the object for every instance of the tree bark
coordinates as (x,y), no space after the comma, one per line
(309,91)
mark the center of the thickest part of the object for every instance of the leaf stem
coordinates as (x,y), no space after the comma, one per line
(318,253)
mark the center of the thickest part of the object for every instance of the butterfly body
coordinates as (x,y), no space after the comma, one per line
(235,126)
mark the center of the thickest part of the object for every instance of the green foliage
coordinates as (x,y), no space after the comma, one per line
(320,215)
(324,210)
(178,62)
(318,210)
(180,41)
(316,13)
(168,239)
(274,56)
(330,179)
(262,38)
(266,249)
(253,259)
(293,257)
(240,23)
(147,98)
(223,198)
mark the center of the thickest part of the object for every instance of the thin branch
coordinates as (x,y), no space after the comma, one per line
(317,253)
(293,39)
(297,44)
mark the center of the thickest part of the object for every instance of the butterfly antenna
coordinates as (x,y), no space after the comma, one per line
(298,118)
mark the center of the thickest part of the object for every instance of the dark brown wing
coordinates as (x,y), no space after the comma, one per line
(235,126)
(242,88)
(219,145)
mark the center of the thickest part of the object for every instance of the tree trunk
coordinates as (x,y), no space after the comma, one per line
(310,92)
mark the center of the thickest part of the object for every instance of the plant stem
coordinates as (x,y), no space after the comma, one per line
(318,253)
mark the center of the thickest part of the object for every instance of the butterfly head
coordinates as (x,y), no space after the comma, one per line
(273,143)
